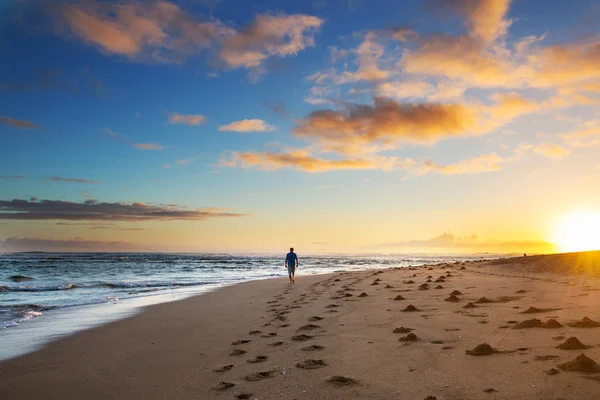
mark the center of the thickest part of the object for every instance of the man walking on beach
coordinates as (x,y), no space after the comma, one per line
(291,263)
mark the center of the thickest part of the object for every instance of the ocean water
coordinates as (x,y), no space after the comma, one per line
(47,295)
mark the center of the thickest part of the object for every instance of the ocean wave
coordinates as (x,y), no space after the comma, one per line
(108,285)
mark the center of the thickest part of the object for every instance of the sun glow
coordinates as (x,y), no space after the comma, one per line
(578,231)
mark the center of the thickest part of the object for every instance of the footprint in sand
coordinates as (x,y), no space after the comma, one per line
(311,364)
(276,344)
(469,305)
(312,347)
(402,329)
(221,386)
(254,332)
(238,342)
(388,287)
(399,298)
(332,306)
(456,293)
(258,359)
(243,396)
(301,338)
(223,368)
(363,294)
(259,376)
(315,318)
(237,352)
(439,287)
(308,327)
(339,380)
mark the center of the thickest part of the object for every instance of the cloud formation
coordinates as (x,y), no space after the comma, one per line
(247,125)
(142,30)
(11,177)
(449,242)
(161,31)
(91,210)
(267,36)
(486,163)
(191,119)
(148,146)
(386,122)
(76,244)
(304,161)
(18,123)
(74,180)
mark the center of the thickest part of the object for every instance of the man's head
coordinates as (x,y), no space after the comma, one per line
(291,249)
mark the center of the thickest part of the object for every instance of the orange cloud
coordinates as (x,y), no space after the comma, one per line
(18,123)
(302,160)
(486,163)
(157,30)
(386,122)
(269,35)
(485,19)
(191,119)
(148,146)
(247,125)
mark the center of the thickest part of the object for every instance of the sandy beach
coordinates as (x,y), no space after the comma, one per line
(505,329)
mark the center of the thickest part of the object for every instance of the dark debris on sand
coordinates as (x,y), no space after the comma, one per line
(585,323)
(483,300)
(452,298)
(411,337)
(482,349)
(572,343)
(581,363)
(410,308)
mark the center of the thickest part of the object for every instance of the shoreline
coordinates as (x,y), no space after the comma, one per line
(170,350)
(57,321)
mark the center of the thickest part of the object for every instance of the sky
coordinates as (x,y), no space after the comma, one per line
(334,126)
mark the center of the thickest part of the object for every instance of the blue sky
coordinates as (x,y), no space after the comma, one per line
(415,142)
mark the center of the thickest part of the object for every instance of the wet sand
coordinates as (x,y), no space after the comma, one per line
(521,328)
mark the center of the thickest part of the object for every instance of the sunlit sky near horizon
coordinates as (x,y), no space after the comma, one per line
(327,125)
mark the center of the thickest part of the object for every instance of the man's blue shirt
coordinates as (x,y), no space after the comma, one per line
(291,258)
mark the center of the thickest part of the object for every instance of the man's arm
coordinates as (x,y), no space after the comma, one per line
(296,261)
